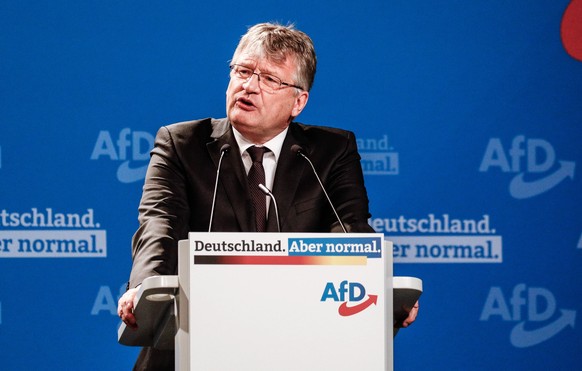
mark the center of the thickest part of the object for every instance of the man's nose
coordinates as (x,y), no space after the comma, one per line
(252,84)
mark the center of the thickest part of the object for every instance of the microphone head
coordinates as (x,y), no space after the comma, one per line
(297,149)
(225,148)
(265,190)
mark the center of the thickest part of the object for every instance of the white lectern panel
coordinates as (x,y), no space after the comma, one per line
(277,301)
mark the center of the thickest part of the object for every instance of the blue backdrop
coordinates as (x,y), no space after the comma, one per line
(468,116)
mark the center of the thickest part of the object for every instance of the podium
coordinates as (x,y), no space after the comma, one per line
(285,301)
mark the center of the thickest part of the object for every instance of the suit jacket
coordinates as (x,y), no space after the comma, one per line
(179,184)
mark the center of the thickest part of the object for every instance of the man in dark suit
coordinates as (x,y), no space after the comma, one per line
(272,71)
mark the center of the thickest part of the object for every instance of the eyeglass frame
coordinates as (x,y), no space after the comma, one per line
(282,84)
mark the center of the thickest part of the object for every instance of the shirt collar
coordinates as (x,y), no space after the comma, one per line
(274,145)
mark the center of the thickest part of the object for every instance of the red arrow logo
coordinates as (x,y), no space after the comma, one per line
(346,311)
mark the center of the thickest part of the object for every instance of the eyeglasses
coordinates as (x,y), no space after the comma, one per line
(267,82)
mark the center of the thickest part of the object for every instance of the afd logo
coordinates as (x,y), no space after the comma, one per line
(534,310)
(540,168)
(130,147)
(348,292)
(105,301)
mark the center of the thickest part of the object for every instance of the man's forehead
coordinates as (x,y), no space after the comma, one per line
(262,62)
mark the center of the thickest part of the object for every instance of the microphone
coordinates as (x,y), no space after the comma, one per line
(267,192)
(223,151)
(300,152)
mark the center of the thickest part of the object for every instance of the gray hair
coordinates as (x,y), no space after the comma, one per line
(277,42)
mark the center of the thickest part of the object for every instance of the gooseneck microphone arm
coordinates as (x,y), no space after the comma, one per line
(267,192)
(300,152)
(223,151)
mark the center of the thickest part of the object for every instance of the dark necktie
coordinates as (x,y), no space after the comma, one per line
(256,176)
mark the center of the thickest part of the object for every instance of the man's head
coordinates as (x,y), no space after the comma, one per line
(272,71)
(277,43)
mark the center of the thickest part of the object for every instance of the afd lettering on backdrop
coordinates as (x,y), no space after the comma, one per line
(533,161)
(105,301)
(378,158)
(131,148)
(46,233)
(535,311)
(348,293)
(441,239)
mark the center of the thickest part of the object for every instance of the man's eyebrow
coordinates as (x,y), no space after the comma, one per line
(252,66)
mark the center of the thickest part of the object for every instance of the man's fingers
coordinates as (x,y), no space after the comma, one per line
(129,320)
(125,308)
(411,316)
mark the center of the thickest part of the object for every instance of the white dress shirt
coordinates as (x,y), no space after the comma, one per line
(269,159)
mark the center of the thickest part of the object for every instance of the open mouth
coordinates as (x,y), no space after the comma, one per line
(245,102)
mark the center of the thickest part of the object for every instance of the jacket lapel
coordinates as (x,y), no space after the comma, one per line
(288,175)
(232,174)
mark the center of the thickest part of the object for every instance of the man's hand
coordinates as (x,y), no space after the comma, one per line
(411,316)
(125,307)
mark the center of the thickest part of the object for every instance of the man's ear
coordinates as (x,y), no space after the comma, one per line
(300,103)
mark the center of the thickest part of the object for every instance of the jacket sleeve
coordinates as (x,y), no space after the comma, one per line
(345,185)
(163,213)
